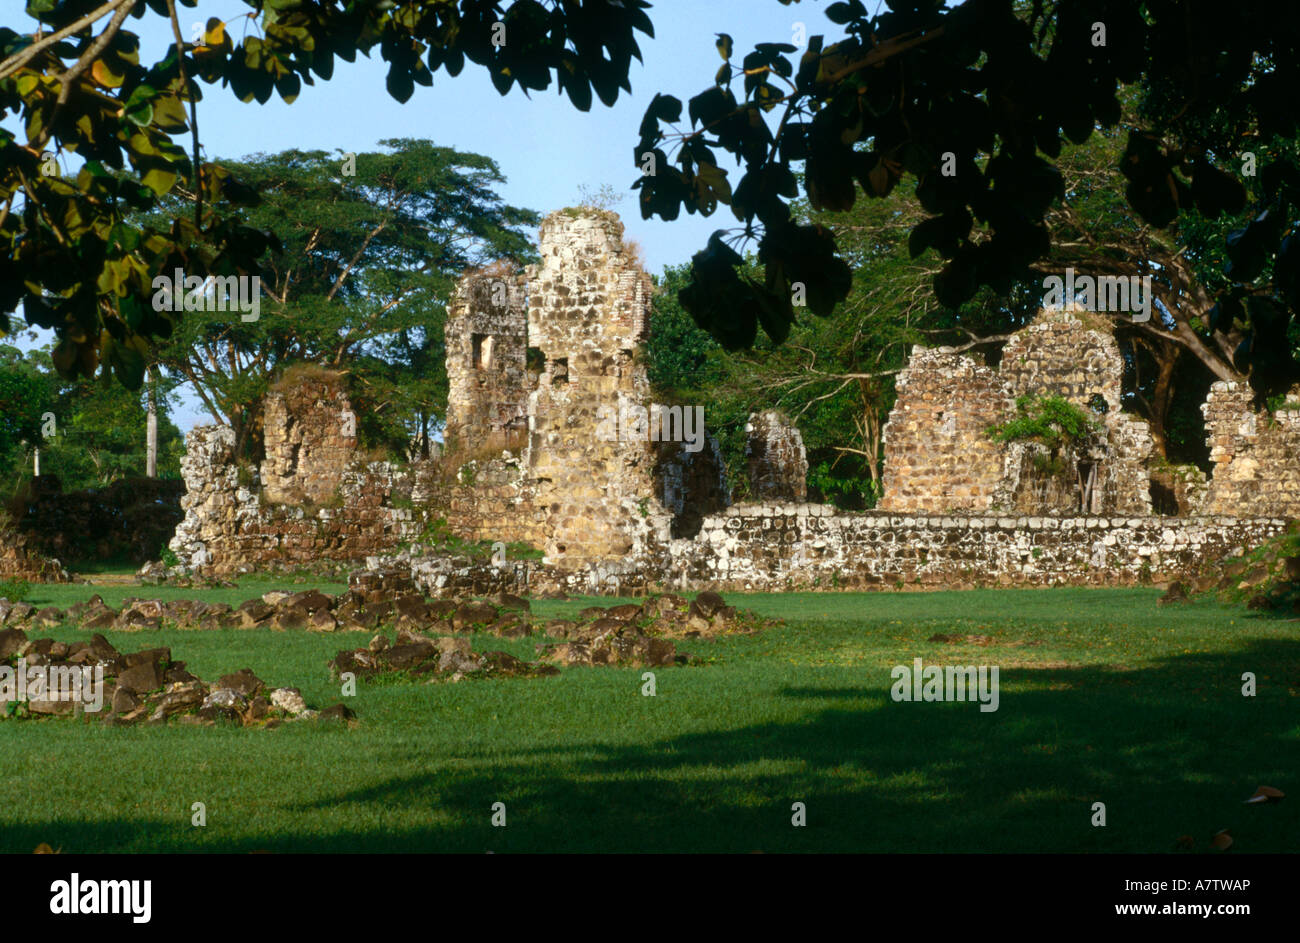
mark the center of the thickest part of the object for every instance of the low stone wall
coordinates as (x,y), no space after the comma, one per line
(772,548)
(777,547)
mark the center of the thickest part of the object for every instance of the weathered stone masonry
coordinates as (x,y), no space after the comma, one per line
(777,463)
(312,499)
(1256,455)
(939,454)
(588,315)
(586,486)
(538,361)
(486,341)
(805,546)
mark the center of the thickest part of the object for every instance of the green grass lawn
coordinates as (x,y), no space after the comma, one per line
(1104,697)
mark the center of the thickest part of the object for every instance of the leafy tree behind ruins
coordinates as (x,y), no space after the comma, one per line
(74,255)
(978,103)
(372,244)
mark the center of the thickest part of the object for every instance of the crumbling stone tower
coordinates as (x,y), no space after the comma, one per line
(588,313)
(488,381)
(554,350)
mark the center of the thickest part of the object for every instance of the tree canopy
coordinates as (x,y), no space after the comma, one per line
(371,249)
(70,253)
(978,103)
(89,433)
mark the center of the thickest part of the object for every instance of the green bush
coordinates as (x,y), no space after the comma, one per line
(1051,420)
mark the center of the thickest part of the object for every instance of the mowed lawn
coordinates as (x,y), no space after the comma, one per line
(1105,697)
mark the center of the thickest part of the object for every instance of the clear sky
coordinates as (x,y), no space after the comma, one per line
(544,146)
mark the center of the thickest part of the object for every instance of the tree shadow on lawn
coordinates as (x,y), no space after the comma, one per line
(1171,749)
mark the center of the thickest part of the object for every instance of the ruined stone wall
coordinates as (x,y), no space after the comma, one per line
(484,499)
(487,376)
(776,547)
(310,438)
(617,512)
(691,485)
(588,313)
(1256,455)
(1068,353)
(938,453)
(776,460)
(810,547)
(231,524)
(1073,354)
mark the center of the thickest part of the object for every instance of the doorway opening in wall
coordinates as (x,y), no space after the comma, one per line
(1087,472)
(482,352)
(1163,500)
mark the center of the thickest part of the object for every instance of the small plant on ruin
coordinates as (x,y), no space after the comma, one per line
(168,558)
(604,197)
(1052,421)
(1067,434)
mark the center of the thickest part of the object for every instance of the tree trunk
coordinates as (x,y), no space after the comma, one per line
(151,427)
(1162,397)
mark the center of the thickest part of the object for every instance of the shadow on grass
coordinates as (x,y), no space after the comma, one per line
(1171,750)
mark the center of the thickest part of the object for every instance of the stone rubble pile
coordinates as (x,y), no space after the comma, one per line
(157,573)
(600,635)
(628,635)
(146,687)
(20,559)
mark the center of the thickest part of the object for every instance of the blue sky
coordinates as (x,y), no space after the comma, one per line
(544,146)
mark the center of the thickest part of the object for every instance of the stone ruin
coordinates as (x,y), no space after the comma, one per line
(487,341)
(313,498)
(777,463)
(593,481)
(939,455)
(1256,455)
(548,444)
(309,437)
